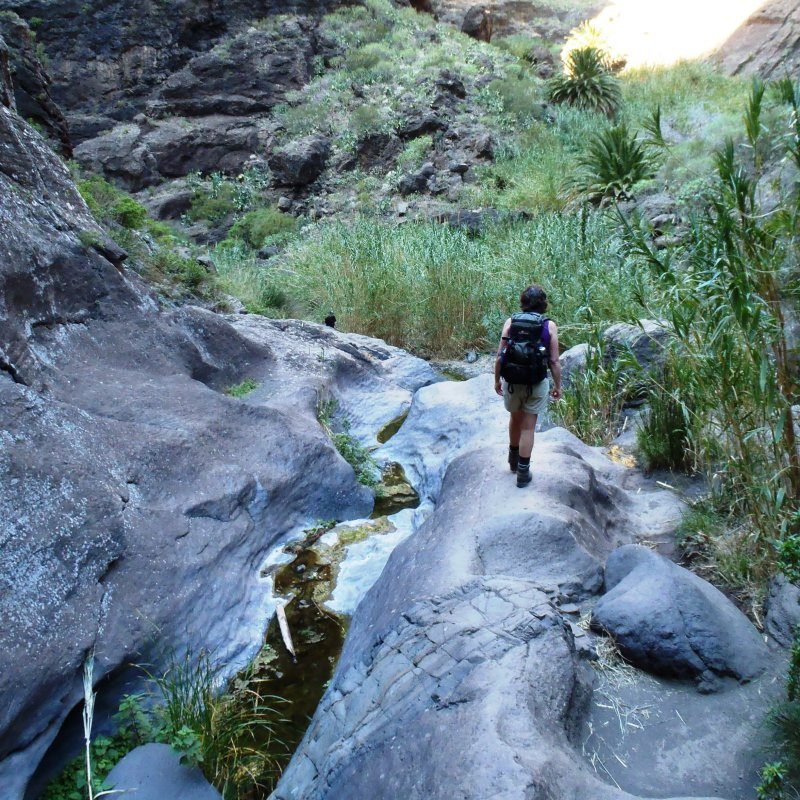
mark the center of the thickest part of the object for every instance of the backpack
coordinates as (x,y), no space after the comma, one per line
(524,361)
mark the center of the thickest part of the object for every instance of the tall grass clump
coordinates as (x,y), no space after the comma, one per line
(722,295)
(438,290)
(260,289)
(592,404)
(667,431)
(230,736)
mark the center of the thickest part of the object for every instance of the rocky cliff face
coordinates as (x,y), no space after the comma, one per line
(108,58)
(137,498)
(768,44)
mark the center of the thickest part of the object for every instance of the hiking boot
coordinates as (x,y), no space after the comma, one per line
(524,477)
(513,459)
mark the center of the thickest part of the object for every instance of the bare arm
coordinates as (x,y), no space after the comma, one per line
(555,364)
(503,337)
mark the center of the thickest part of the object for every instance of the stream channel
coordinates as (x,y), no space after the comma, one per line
(319,577)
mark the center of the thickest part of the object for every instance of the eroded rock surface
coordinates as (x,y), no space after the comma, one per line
(137,498)
(460,677)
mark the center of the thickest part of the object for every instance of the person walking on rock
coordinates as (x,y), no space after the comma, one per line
(528,346)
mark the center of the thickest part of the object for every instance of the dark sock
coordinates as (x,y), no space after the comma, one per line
(524,464)
(513,449)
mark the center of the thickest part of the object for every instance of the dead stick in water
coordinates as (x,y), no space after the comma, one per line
(283,624)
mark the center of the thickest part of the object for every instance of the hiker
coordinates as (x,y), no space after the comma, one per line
(528,345)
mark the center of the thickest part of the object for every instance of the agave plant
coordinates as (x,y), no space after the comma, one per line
(615,160)
(587,83)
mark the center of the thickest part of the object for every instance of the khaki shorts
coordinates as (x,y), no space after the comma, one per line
(521,400)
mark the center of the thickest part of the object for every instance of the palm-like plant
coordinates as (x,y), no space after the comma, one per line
(587,83)
(615,160)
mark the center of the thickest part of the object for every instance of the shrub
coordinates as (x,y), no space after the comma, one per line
(587,83)
(259,227)
(128,213)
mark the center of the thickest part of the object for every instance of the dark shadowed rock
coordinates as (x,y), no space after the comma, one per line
(171,203)
(668,620)
(155,772)
(378,150)
(420,122)
(115,65)
(6,87)
(478,23)
(416,182)
(246,74)
(783,610)
(300,162)
(137,156)
(32,83)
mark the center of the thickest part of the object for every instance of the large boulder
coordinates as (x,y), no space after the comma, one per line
(672,622)
(459,676)
(301,161)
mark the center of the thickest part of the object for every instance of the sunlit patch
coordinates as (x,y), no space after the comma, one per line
(651,32)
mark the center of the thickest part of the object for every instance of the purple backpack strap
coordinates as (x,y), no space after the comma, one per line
(546,335)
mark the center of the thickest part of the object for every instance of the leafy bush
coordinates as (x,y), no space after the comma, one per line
(262,226)
(107,203)
(587,83)
(521,96)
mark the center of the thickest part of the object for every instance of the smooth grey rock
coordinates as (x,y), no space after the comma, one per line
(783,610)
(672,622)
(459,677)
(137,498)
(155,772)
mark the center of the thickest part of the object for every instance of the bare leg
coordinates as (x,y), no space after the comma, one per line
(515,427)
(527,425)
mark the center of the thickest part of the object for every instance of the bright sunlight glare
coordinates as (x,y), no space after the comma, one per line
(652,32)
